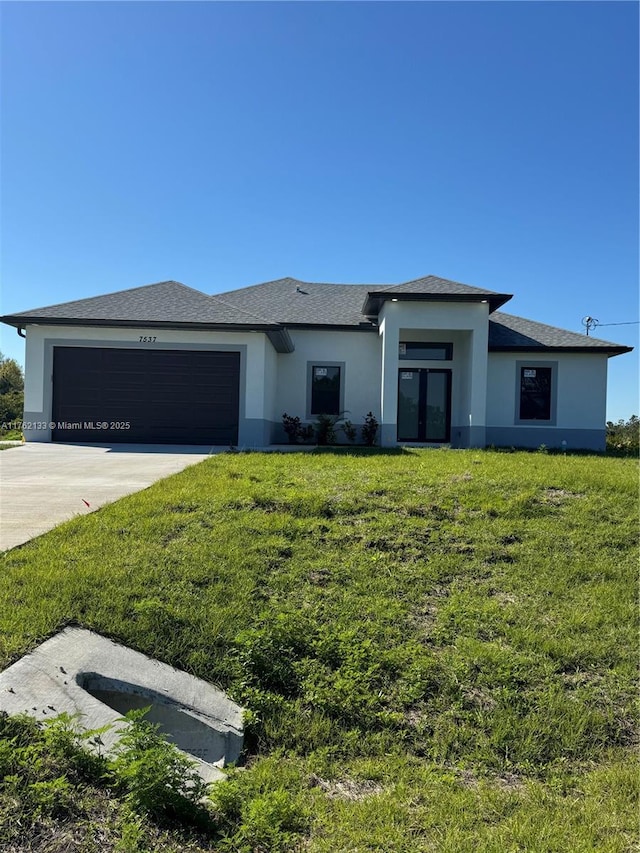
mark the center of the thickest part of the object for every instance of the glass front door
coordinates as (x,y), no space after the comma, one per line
(424,405)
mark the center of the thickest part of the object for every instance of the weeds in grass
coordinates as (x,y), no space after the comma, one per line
(452,632)
(50,778)
(154,776)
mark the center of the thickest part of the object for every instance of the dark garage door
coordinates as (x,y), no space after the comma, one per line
(166,396)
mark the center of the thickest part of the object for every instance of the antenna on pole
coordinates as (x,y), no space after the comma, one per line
(589,323)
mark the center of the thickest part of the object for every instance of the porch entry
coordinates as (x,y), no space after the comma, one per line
(424,404)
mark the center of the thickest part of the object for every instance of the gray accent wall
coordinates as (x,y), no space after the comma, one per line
(468,436)
(461,437)
(254,432)
(533,437)
(36,426)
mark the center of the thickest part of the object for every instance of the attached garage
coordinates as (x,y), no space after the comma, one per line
(165,363)
(159,396)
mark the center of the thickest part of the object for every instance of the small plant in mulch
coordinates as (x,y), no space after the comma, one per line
(349,431)
(296,431)
(369,430)
(326,426)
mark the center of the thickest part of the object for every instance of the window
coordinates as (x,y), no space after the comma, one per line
(325,389)
(418,350)
(535,393)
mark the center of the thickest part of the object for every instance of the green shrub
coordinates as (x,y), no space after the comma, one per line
(623,437)
(325,428)
(11,392)
(295,430)
(370,429)
(349,430)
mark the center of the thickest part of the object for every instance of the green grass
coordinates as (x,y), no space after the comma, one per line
(437,649)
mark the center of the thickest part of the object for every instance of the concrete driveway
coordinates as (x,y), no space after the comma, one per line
(42,485)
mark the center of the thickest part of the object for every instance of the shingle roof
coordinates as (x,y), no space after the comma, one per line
(433,284)
(164,302)
(317,303)
(274,305)
(296,302)
(510,334)
(432,287)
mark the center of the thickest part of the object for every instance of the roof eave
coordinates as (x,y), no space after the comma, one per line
(361,326)
(22,322)
(375,299)
(597,350)
(281,340)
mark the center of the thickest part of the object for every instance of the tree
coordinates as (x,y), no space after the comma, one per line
(623,437)
(11,390)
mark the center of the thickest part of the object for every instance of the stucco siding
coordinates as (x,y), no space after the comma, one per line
(252,346)
(484,385)
(580,394)
(270,392)
(464,324)
(359,352)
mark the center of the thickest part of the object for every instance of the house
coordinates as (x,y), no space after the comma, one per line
(434,360)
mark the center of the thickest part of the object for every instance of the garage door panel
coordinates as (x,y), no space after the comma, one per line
(174,396)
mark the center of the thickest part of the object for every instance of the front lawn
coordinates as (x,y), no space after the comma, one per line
(437,649)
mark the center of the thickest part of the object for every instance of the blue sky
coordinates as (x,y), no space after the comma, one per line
(224,144)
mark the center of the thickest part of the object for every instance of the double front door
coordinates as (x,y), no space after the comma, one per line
(424,405)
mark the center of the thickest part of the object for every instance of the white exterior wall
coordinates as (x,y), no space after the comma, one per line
(254,347)
(580,395)
(270,386)
(461,378)
(360,353)
(484,385)
(465,324)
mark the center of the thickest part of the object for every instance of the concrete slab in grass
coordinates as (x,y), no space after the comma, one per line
(82,673)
